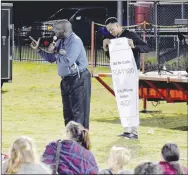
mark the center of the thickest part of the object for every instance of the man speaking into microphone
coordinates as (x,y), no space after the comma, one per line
(72,63)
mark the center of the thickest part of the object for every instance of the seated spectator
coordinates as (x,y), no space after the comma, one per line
(118,159)
(24,159)
(4,156)
(148,168)
(170,165)
(75,156)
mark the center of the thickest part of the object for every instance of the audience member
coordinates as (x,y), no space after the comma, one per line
(170,165)
(24,159)
(118,159)
(148,168)
(4,156)
(74,156)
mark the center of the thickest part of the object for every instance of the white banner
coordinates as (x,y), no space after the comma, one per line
(125,81)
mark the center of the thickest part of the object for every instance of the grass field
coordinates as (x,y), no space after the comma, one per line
(31,105)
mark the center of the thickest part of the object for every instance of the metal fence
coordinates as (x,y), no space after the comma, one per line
(24,52)
(161,34)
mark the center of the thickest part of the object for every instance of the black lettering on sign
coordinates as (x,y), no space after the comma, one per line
(125,103)
(123,71)
(124,90)
(119,91)
(125,62)
(123,96)
(127,90)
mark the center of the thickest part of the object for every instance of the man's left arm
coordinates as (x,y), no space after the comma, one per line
(72,52)
(140,45)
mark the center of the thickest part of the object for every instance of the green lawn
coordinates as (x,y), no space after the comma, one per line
(31,105)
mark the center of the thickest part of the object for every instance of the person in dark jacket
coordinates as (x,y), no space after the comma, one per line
(138,46)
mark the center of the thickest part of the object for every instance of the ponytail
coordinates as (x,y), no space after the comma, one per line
(79,134)
(86,139)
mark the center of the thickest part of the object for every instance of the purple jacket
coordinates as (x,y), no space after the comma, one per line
(74,158)
(169,170)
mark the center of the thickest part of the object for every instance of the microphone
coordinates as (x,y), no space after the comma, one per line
(52,46)
(54,39)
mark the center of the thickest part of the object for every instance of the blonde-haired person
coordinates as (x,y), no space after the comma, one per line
(24,159)
(119,157)
(74,155)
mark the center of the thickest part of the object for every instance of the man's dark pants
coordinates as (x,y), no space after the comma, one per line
(76,94)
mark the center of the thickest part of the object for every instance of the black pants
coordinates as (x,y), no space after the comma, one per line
(76,94)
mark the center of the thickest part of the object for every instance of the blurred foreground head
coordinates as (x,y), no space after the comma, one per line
(78,133)
(170,152)
(148,168)
(118,158)
(22,151)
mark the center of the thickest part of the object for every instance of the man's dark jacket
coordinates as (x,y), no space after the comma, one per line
(140,46)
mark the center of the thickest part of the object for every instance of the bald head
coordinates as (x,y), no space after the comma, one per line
(62,28)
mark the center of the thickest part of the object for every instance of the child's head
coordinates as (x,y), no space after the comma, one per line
(148,168)
(170,152)
(119,157)
(75,131)
(22,151)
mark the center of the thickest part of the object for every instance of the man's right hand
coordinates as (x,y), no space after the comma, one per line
(51,48)
(34,44)
(106,42)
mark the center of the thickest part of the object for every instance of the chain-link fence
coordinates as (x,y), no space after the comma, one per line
(24,52)
(166,39)
(153,22)
(172,48)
